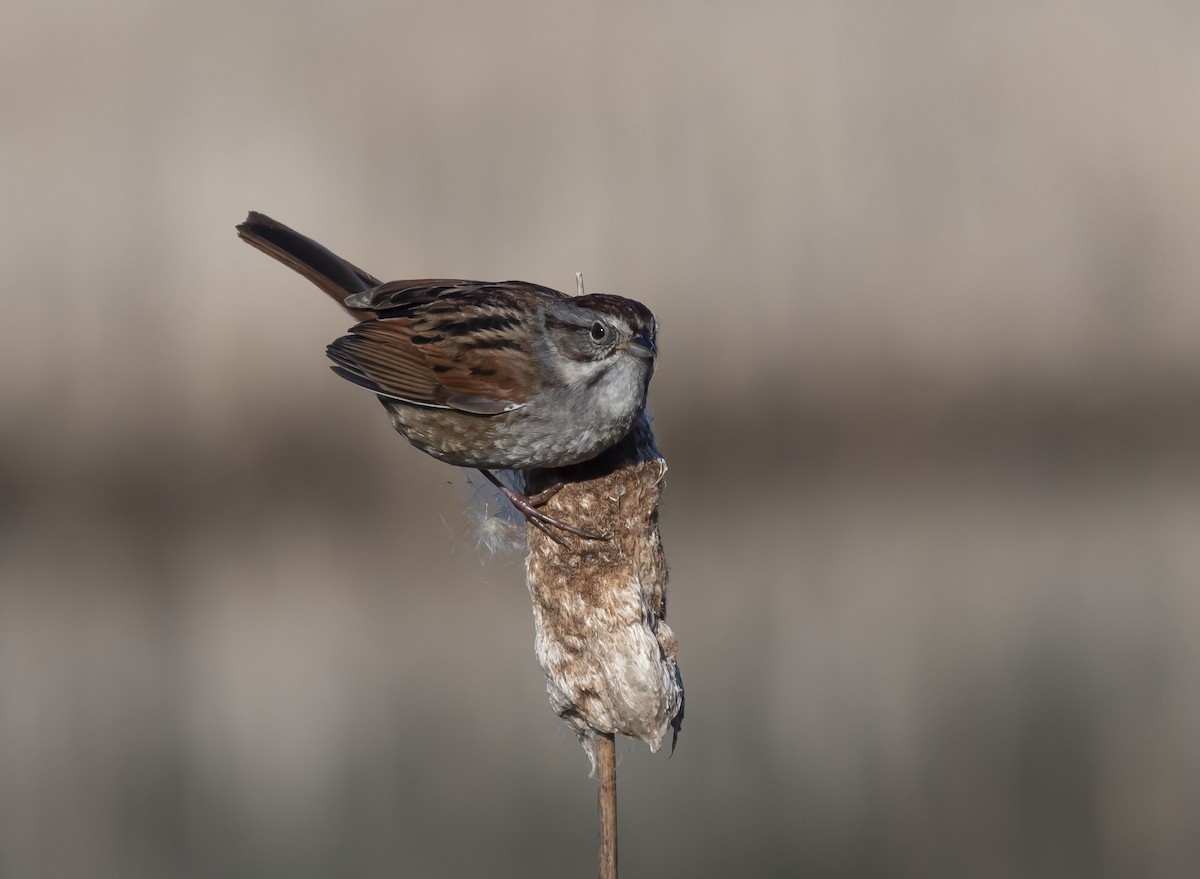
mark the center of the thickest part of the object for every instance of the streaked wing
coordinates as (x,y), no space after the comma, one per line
(454,348)
(404,296)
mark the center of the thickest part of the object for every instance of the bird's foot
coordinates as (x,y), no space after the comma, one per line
(528,506)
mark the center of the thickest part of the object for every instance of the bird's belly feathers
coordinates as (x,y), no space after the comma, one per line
(517,440)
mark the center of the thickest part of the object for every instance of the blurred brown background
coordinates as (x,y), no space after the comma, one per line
(928,280)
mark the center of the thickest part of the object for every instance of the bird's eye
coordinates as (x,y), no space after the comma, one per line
(599,332)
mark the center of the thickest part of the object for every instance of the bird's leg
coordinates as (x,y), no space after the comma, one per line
(539,499)
(528,507)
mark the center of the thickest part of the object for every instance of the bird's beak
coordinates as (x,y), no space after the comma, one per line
(641,346)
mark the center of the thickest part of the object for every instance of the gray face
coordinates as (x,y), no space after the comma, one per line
(598,357)
(594,329)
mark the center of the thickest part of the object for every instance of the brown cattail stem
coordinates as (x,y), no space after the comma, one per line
(599,610)
(606,795)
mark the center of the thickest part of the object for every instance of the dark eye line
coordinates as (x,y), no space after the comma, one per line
(556,324)
(606,332)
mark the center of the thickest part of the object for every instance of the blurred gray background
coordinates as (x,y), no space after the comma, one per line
(927,275)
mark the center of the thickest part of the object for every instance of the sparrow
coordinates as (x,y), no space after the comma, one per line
(504,375)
